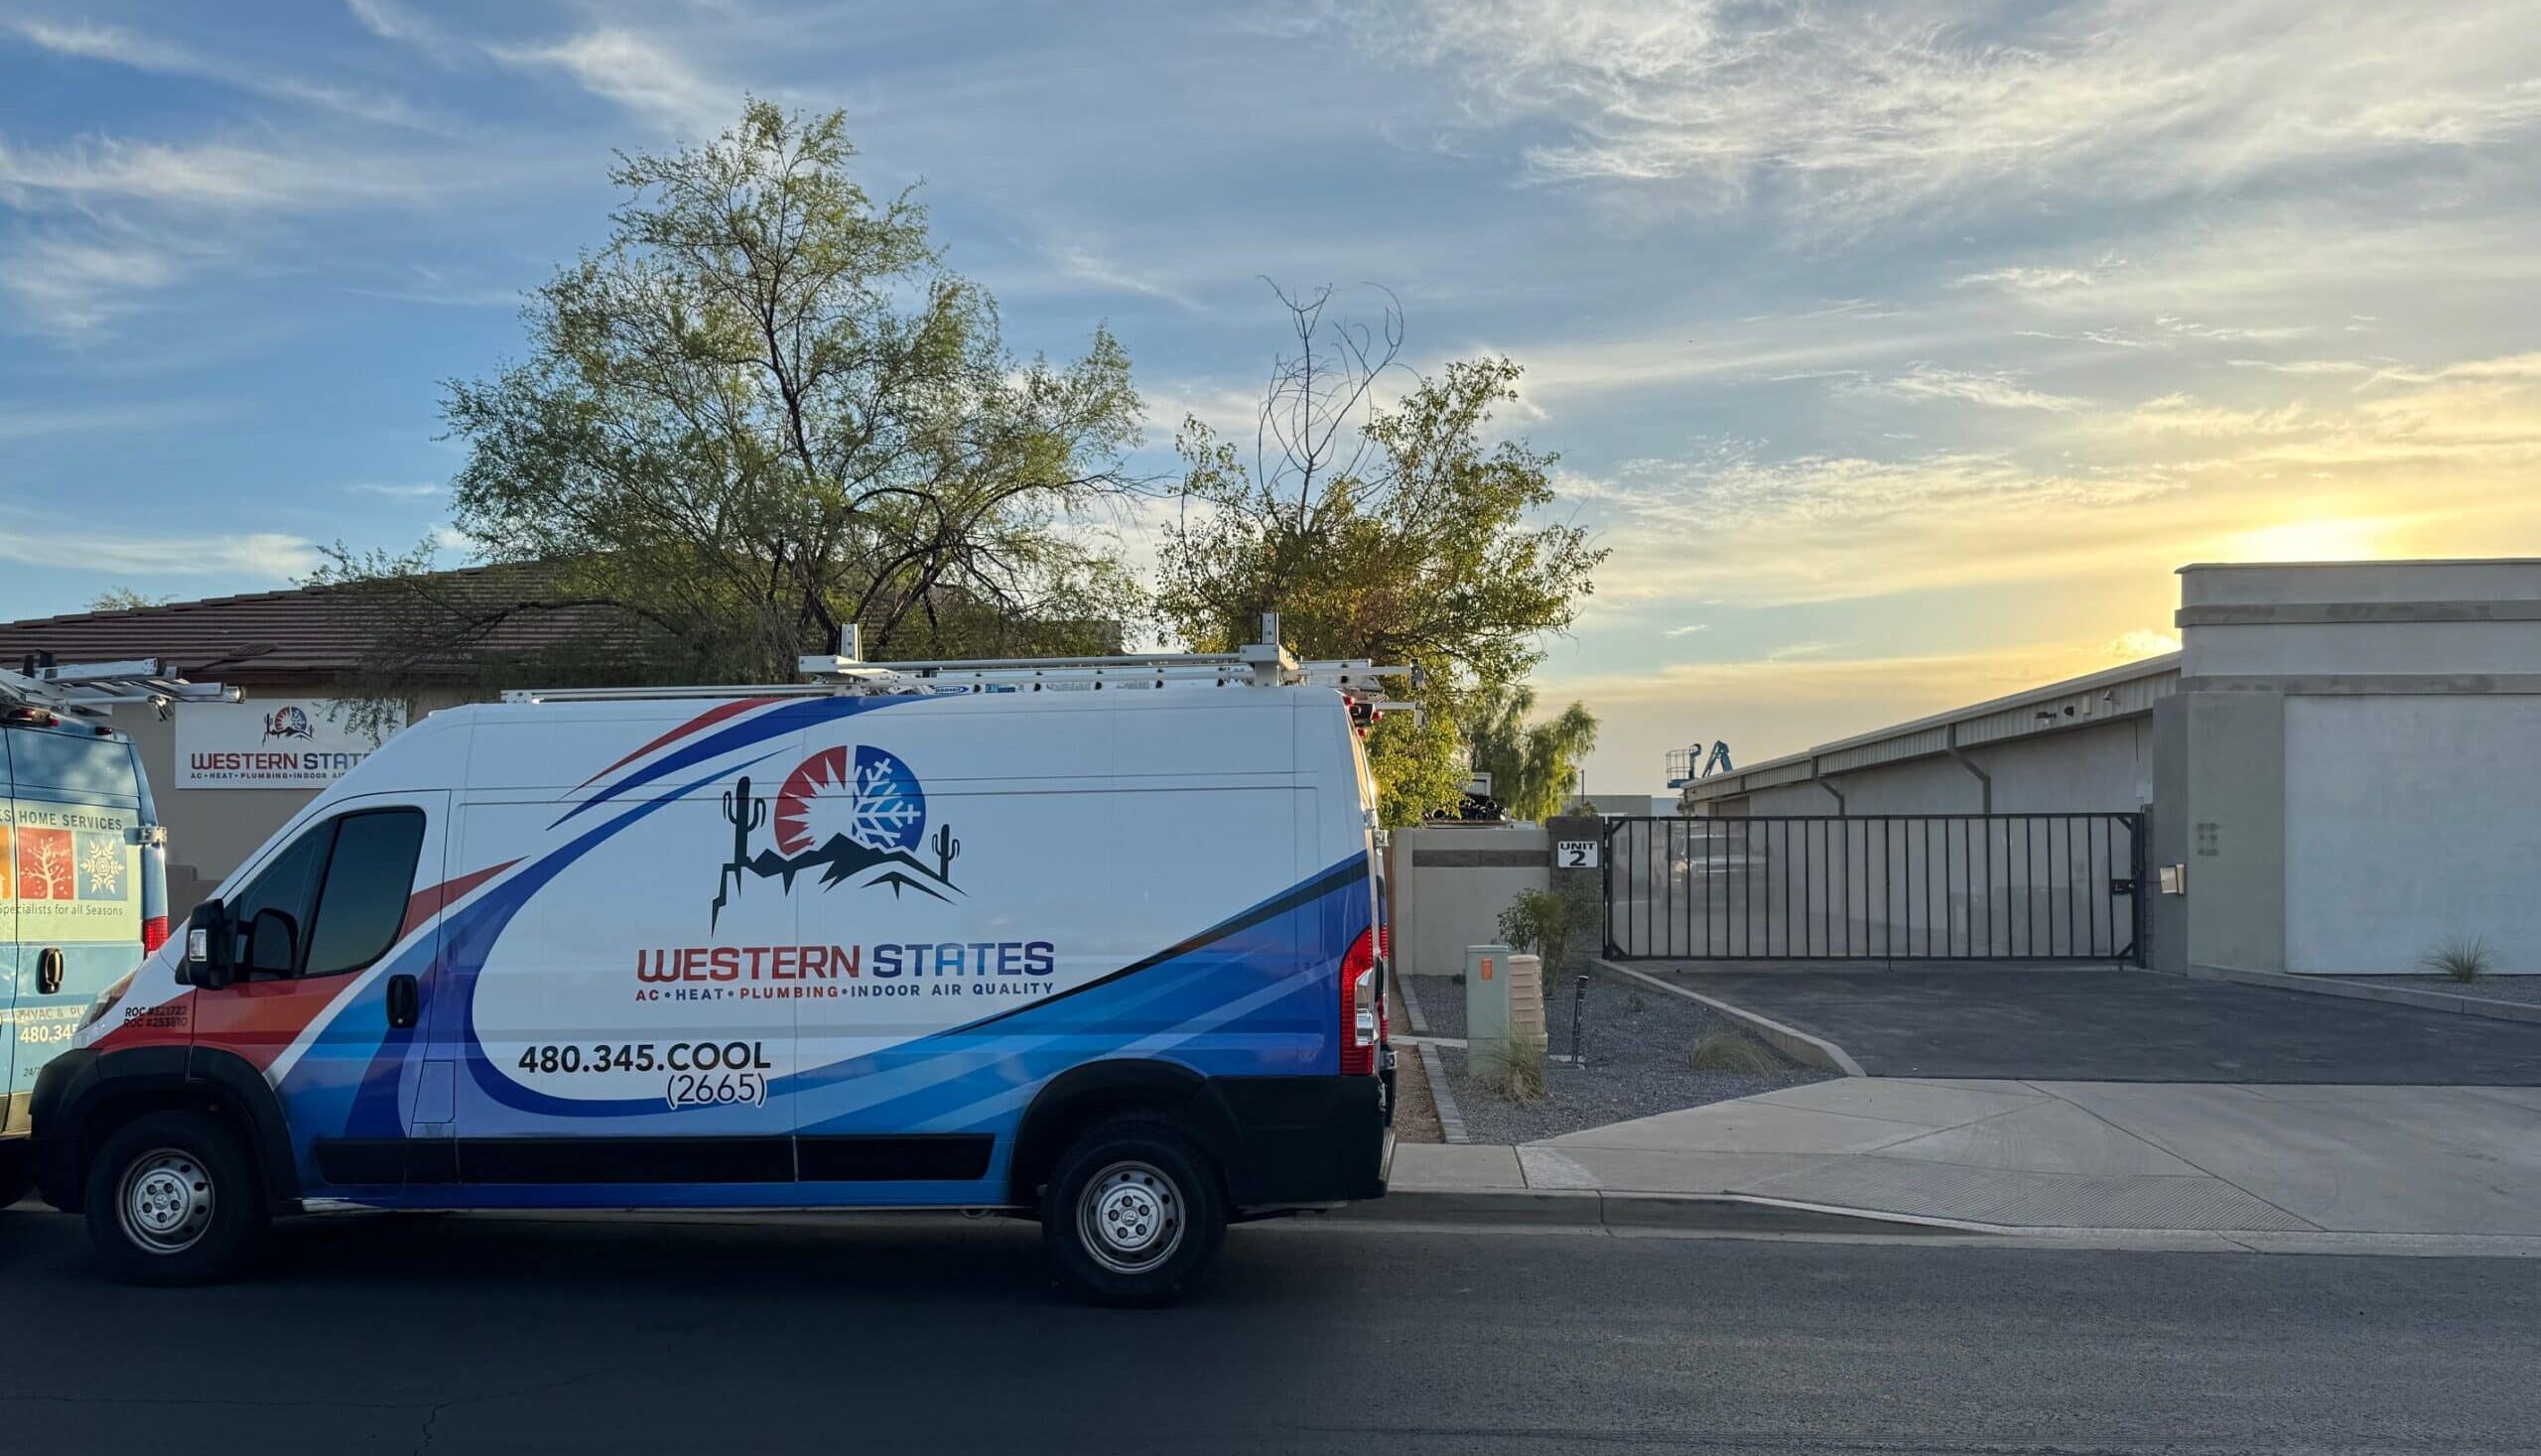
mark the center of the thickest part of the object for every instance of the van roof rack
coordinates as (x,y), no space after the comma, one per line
(1263,664)
(91,689)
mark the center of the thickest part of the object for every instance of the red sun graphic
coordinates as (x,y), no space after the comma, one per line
(816,790)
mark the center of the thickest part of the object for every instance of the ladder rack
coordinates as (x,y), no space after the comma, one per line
(91,689)
(1263,664)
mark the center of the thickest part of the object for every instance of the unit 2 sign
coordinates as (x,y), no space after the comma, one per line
(1575,855)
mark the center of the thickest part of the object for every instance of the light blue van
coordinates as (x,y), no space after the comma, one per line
(83,897)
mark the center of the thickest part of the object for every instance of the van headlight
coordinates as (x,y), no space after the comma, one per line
(107,999)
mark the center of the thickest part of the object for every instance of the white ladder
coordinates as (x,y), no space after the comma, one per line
(91,689)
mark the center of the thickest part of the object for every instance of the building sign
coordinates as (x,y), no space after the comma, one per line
(271,742)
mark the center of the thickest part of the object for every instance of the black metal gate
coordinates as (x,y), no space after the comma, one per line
(1905,888)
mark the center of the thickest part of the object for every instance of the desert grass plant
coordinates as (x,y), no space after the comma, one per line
(1512,1070)
(2464,958)
(1724,1050)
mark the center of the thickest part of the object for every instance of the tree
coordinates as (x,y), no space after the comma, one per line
(766,408)
(1532,765)
(1391,532)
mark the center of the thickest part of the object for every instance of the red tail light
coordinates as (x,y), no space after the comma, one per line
(1362,1016)
(153,934)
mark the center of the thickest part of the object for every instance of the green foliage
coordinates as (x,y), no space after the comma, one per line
(1532,765)
(765,408)
(1514,1069)
(2464,958)
(1724,1050)
(1386,532)
(127,599)
(1547,923)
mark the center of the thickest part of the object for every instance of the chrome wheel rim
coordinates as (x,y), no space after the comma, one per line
(166,1201)
(1130,1217)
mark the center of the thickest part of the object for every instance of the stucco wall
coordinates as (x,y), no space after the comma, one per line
(1448,883)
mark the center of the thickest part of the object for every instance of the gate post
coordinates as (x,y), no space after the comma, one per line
(1583,884)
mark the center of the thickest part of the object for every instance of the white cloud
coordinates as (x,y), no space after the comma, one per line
(2023,279)
(638,73)
(1993,389)
(27,422)
(1877,109)
(72,284)
(263,555)
(2139,643)
(218,175)
(414,490)
(1687,630)
(165,58)
(1083,264)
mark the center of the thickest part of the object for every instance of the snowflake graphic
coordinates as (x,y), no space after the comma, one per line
(890,808)
(103,865)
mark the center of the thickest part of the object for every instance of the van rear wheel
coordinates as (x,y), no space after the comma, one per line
(1134,1214)
(172,1199)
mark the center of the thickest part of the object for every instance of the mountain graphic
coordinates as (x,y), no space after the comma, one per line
(838,858)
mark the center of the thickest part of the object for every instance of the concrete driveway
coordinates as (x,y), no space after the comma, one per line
(2117,1026)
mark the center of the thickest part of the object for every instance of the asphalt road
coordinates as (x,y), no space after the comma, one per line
(2103,1025)
(475,1335)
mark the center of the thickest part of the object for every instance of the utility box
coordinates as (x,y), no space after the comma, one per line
(1486,997)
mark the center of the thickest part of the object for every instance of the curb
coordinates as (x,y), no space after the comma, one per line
(1442,1099)
(2424,1000)
(1593,1209)
(1411,1005)
(1800,1046)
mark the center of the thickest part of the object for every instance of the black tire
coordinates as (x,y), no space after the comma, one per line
(1153,1185)
(17,1170)
(174,1199)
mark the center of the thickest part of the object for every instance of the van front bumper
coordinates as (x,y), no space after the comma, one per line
(1306,1140)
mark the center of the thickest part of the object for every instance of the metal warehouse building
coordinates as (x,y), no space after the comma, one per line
(2333,775)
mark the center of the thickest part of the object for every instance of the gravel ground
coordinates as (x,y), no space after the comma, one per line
(1638,1041)
(2523,988)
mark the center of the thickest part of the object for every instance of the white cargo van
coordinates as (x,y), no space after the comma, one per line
(1094,942)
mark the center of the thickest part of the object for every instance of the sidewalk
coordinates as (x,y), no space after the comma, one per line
(2052,1156)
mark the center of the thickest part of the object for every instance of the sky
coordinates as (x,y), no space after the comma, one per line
(1897,353)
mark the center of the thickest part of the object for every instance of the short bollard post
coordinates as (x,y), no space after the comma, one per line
(1578,999)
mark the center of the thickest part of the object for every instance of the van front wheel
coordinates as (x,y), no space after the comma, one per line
(1134,1214)
(173,1198)
(16,1171)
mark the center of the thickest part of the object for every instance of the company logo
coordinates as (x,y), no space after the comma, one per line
(858,816)
(288,722)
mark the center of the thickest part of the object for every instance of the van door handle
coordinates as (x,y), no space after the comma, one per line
(49,971)
(405,1002)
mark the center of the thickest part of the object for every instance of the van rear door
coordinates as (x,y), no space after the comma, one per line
(74,864)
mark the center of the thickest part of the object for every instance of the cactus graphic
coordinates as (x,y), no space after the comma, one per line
(947,849)
(745,815)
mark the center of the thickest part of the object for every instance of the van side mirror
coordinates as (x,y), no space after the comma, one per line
(273,943)
(208,945)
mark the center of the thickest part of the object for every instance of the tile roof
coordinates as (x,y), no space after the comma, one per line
(321,632)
